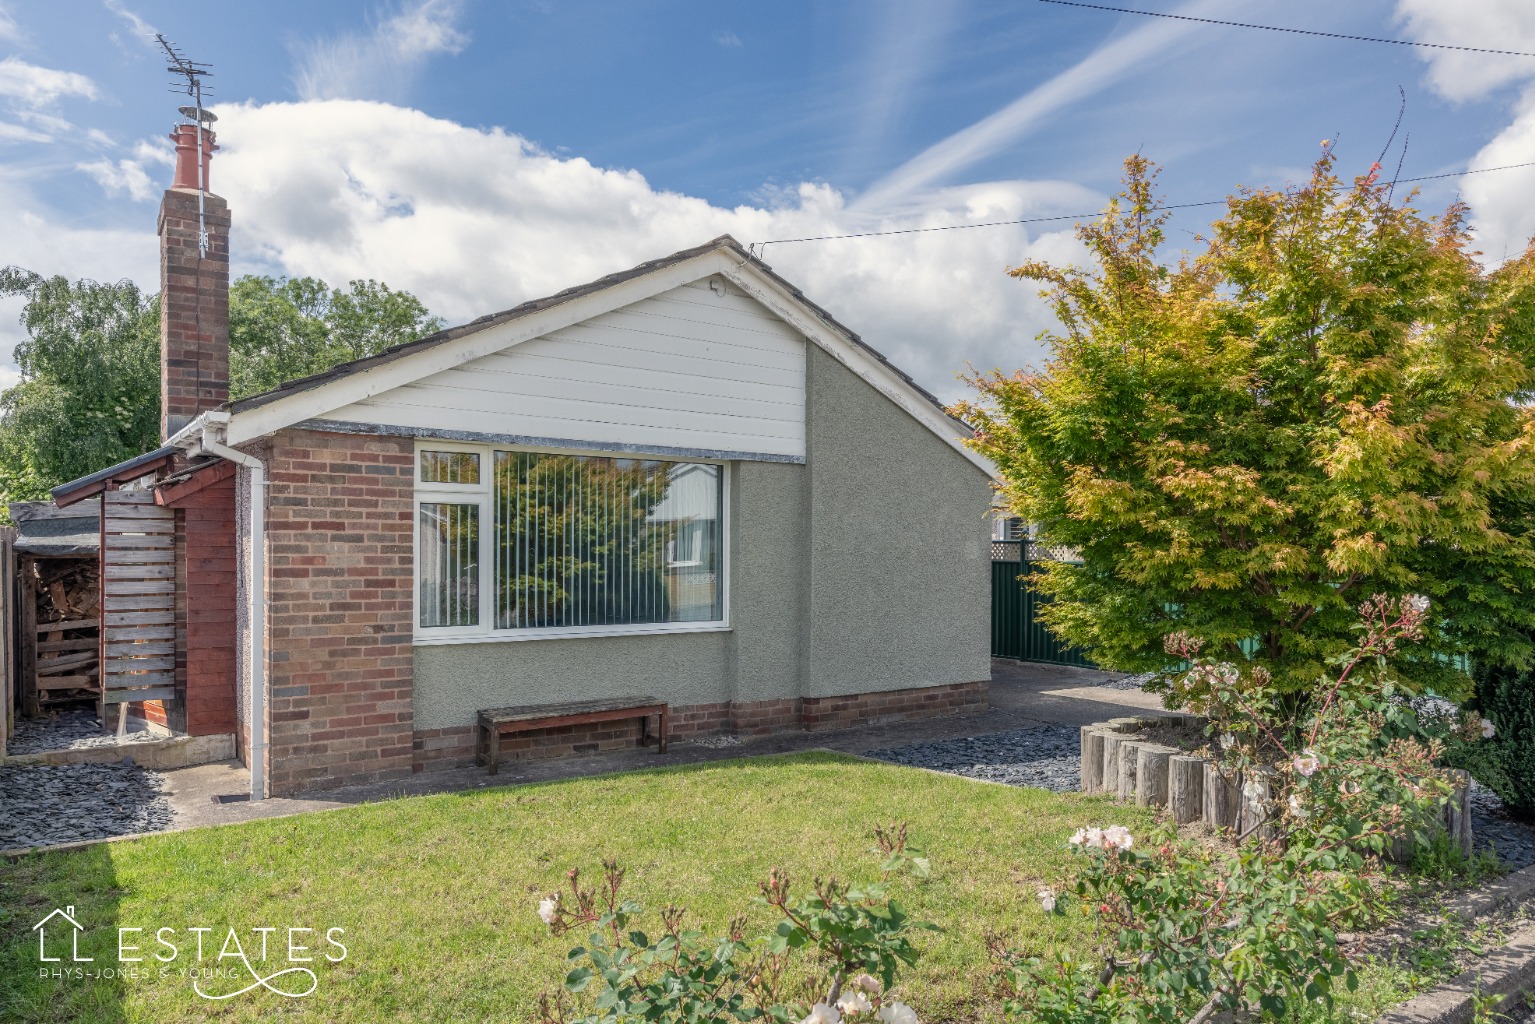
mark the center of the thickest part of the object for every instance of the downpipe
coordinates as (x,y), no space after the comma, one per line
(256,604)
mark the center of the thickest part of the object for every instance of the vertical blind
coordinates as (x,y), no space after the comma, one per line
(449,556)
(595,541)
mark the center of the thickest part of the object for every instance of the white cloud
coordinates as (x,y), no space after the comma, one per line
(728,39)
(380,64)
(41,240)
(17,133)
(9,30)
(155,151)
(1487,24)
(37,86)
(1097,71)
(905,43)
(475,221)
(143,31)
(1502,216)
(124,177)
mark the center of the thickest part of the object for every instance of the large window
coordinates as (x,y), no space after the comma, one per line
(519,544)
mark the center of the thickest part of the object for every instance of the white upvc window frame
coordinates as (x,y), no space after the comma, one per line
(480,494)
(453,494)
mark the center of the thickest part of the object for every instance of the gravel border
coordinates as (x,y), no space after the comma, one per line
(50,804)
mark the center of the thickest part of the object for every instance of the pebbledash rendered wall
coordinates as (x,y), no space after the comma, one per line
(860,589)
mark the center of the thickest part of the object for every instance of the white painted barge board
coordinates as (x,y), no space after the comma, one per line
(685,369)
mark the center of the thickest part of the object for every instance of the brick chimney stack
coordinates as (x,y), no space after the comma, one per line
(194,289)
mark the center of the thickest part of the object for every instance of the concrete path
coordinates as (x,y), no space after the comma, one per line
(1022,695)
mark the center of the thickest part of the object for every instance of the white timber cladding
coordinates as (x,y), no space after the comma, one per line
(699,368)
(335,404)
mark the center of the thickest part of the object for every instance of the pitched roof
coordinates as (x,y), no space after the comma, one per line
(724,243)
(128,469)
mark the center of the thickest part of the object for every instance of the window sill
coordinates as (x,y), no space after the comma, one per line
(570,633)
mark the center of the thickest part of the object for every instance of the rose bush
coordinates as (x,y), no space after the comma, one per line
(1186,930)
(841,945)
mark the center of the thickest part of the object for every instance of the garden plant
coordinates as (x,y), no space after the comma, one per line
(835,954)
(1186,930)
(1328,398)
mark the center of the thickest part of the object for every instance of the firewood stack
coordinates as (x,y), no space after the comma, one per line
(67,602)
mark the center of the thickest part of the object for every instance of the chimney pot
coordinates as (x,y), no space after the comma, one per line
(185,137)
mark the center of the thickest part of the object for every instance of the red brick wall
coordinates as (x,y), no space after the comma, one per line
(194,309)
(207,571)
(447,748)
(339,542)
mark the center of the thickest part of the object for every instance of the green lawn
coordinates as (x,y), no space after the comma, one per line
(437,894)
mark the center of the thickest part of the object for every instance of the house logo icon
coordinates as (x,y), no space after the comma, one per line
(74,929)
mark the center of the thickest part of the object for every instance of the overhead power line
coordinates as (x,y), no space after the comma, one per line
(1293,31)
(759,248)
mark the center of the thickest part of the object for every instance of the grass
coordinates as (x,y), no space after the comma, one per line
(437,894)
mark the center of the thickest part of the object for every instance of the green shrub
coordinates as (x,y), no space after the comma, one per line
(1506,697)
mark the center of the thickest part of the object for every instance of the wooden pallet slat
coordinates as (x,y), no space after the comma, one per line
(117,666)
(59,627)
(151,542)
(132,649)
(139,526)
(84,643)
(145,617)
(155,602)
(163,692)
(141,557)
(161,631)
(139,572)
(116,588)
(55,665)
(67,683)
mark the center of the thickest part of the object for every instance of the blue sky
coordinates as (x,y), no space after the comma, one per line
(484,153)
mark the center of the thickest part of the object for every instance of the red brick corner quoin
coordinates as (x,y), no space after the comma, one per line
(339,662)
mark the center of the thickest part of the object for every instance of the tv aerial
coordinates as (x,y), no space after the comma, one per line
(189,80)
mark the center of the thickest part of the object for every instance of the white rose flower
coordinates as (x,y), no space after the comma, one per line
(1118,837)
(1253,790)
(1078,837)
(866,982)
(854,1002)
(1296,807)
(548,908)
(1488,732)
(820,1013)
(1307,763)
(898,1013)
(1047,900)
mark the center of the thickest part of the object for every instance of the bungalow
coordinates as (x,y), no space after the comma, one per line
(685,480)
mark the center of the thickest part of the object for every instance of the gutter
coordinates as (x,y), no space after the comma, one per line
(211,426)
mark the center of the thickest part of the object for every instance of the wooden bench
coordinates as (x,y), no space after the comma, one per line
(493,722)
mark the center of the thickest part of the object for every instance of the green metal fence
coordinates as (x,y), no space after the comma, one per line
(1016,631)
